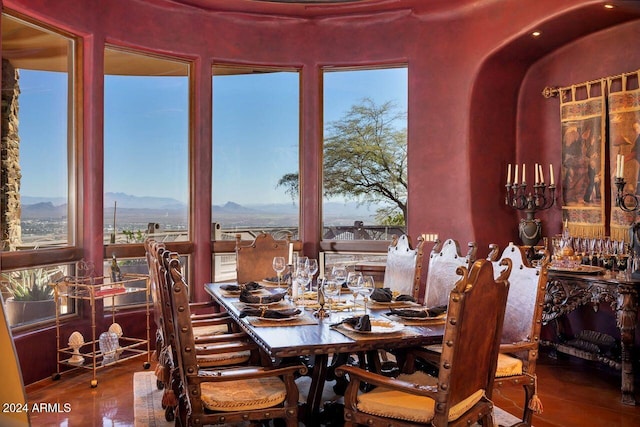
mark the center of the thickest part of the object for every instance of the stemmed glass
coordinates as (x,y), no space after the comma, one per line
(331,290)
(313,268)
(303,278)
(279,266)
(367,285)
(354,283)
(339,274)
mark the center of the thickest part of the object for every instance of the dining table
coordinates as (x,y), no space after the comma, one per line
(323,340)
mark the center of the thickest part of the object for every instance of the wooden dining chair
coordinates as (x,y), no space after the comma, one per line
(254,261)
(461,394)
(227,395)
(521,331)
(444,259)
(208,329)
(404,266)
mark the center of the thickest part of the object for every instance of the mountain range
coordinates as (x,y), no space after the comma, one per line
(42,207)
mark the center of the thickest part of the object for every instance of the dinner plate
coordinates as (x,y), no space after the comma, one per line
(378,326)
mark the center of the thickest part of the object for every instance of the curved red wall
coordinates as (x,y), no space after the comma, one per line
(474,100)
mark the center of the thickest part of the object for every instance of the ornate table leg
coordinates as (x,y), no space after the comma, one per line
(626,315)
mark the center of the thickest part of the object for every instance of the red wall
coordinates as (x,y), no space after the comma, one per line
(474,99)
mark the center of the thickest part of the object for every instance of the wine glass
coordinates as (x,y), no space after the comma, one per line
(331,289)
(354,282)
(313,268)
(279,266)
(367,285)
(303,278)
(339,274)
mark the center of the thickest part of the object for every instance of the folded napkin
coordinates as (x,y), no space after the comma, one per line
(358,323)
(418,314)
(270,314)
(386,295)
(249,286)
(245,296)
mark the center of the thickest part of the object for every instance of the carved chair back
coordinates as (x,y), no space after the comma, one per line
(471,341)
(472,334)
(227,386)
(404,266)
(254,261)
(444,259)
(524,305)
(522,324)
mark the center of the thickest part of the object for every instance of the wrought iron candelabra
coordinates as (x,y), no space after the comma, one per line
(628,202)
(543,197)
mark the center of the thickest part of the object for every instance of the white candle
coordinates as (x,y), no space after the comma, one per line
(290,254)
(524,179)
(621,166)
(509,174)
(541,174)
(537,174)
(552,180)
(321,264)
(515,176)
(617,175)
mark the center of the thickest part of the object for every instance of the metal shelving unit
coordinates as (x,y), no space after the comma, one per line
(93,289)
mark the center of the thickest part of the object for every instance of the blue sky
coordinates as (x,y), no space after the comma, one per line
(146,125)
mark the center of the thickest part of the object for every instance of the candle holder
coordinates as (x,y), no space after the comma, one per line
(543,197)
(628,202)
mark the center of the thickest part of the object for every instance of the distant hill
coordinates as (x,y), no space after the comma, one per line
(130,206)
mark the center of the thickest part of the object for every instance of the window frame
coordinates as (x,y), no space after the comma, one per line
(72,252)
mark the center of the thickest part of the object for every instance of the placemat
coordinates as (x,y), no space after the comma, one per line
(356,336)
(258,293)
(395,304)
(304,319)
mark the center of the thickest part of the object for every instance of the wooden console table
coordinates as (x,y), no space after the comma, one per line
(568,291)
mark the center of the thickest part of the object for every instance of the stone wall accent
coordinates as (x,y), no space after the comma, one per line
(10,174)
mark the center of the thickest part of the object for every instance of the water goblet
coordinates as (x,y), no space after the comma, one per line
(313,268)
(354,282)
(303,278)
(279,266)
(366,289)
(339,274)
(331,290)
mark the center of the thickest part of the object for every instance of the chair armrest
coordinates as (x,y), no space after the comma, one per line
(518,346)
(240,373)
(225,347)
(212,321)
(357,375)
(220,338)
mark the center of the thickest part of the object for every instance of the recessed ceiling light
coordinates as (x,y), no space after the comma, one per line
(536,34)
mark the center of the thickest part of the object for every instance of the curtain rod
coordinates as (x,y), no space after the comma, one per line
(554,91)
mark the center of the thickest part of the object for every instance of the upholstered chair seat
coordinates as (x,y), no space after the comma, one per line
(508,366)
(243,395)
(384,402)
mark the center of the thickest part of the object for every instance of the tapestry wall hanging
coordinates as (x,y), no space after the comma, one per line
(583,156)
(624,137)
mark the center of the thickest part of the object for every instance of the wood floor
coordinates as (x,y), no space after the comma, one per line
(573,392)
